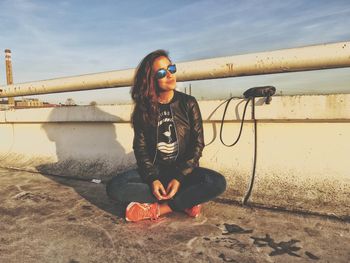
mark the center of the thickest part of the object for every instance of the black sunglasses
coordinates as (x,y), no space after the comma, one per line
(161,73)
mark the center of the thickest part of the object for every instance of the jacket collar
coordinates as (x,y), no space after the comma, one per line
(174,98)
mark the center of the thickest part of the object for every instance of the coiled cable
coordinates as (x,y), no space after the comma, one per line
(250,188)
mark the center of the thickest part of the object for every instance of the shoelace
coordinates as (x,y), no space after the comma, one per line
(150,211)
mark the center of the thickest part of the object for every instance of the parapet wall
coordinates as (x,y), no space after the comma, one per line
(302,155)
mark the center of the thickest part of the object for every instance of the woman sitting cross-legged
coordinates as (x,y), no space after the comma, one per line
(168,142)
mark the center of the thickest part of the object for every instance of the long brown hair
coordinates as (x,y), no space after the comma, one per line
(145,91)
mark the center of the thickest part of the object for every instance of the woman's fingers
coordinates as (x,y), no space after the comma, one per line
(168,188)
(173,191)
(163,190)
(172,188)
(157,189)
(161,194)
(157,194)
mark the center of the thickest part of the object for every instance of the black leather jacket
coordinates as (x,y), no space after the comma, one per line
(189,130)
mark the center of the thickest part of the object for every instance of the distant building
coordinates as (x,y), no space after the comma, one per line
(28,103)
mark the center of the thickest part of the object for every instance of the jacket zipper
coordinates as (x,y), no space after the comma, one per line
(155,155)
(177,137)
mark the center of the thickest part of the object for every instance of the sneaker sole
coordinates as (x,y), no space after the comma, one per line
(127,208)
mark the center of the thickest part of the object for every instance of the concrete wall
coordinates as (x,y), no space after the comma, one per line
(302,156)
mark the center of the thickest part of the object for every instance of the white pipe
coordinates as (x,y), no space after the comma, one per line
(325,56)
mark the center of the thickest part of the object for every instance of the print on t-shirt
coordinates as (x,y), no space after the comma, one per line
(167,141)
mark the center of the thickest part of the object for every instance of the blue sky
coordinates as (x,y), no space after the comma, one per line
(51,39)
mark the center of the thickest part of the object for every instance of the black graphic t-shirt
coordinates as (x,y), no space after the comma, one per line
(167,146)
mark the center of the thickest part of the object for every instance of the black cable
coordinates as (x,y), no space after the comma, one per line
(223,118)
(250,188)
(247,195)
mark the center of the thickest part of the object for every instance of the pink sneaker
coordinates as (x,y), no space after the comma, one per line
(194,211)
(140,211)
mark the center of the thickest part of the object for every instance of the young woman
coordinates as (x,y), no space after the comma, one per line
(168,142)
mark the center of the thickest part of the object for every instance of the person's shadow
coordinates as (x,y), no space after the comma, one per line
(87,150)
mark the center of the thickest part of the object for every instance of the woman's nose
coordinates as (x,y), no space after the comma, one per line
(168,74)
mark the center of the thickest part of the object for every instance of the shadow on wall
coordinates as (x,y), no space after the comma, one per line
(85,151)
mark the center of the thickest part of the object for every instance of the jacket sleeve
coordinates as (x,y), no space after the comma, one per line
(197,136)
(148,171)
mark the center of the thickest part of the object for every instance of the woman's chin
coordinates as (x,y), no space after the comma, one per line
(168,88)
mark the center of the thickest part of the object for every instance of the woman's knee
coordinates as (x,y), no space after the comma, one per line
(114,187)
(222,183)
(216,180)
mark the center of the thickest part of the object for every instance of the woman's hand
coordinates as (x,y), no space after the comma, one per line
(158,190)
(172,189)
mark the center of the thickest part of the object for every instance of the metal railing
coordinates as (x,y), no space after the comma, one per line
(325,56)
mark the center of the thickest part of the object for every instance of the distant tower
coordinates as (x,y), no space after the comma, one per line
(9,75)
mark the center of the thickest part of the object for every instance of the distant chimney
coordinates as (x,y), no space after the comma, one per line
(9,75)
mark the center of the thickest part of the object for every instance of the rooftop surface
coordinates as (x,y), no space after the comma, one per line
(50,219)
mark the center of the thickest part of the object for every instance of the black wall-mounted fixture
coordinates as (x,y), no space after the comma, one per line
(263,91)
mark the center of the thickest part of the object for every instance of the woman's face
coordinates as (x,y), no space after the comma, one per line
(169,81)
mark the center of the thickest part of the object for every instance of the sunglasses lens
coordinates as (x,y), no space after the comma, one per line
(161,74)
(172,69)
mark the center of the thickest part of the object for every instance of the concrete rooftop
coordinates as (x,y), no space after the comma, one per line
(49,219)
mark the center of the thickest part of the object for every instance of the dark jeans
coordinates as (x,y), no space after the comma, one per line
(200,186)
